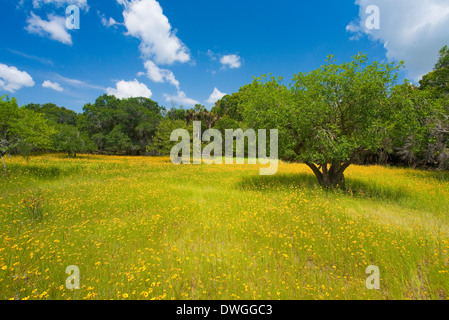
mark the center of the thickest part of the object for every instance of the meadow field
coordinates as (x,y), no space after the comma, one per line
(143,228)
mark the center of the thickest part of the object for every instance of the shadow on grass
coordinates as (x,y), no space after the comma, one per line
(355,188)
(79,156)
(47,172)
(430,175)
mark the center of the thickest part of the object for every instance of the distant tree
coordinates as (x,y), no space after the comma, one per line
(102,116)
(195,114)
(412,130)
(437,81)
(140,119)
(69,139)
(161,144)
(81,122)
(226,122)
(100,140)
(52,112)
(118,142)
(110,119)
(328,116)
(177,113)
(200,113)
(21,129)
(229,105)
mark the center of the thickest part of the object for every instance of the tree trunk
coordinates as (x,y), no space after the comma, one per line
(317,173)
(330,178)
(335,180)
(4,165)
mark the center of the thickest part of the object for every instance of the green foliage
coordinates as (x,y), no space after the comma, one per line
(328,118)
(124,126)
(437,81)
(118,141)
(69,139)
(200,113)
(55,114)
(176,113)
(436,84)
(21,129)
(161,144)
(343,109)
(328,115)
(267,104)
(412,125)
(229,105)
(226,122)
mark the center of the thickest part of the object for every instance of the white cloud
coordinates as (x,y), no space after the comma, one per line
(54,28)
(411,30)
(211,55)
(12,79)
(31,57)
(145,20)
(59,3)
(73,82)
(180,98)
(52,85)
(129,89)
(78,83)
(215,96)
(109,22)
(231,60)
(157,74)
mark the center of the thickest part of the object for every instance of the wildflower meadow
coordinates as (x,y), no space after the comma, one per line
(143,228)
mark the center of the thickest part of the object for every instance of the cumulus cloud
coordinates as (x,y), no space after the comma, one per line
(52,85)
(129,89)
(54,28)
(157,74)
(180,98)
(410,30)
(12,79)
(231,60)
(215,96)
(144,19)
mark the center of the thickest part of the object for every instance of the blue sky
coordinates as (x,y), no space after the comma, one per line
(186,52)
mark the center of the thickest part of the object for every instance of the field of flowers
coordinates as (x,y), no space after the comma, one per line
(143,228)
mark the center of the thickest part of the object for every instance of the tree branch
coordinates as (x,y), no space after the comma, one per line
(315,170)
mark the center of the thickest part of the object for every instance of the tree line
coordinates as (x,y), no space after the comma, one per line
(329,118)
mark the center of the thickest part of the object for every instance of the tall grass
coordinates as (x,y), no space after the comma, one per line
(142,228)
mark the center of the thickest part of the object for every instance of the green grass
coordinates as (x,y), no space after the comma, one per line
(143,228)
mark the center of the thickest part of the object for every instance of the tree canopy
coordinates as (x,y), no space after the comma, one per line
(22,129)
(329,115)
(437,81)
(328,118)
(122,126)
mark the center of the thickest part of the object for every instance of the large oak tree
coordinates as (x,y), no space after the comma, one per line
(328,116)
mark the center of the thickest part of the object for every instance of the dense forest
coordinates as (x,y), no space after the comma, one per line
(353,112)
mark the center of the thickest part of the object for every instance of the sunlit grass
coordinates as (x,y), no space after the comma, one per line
(143,228)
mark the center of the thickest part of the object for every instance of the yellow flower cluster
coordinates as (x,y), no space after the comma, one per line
(143,228)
